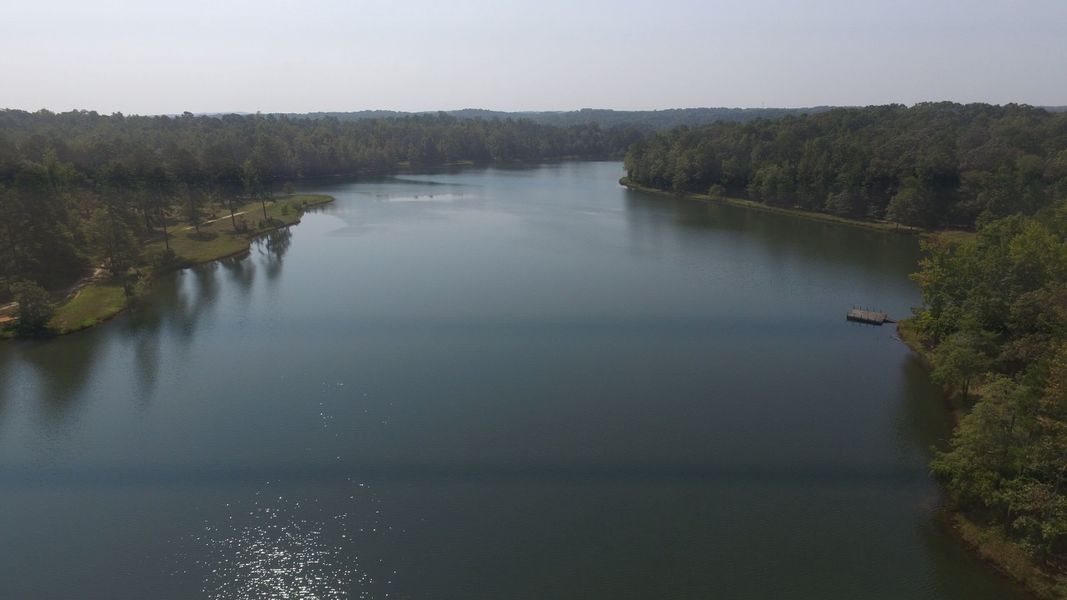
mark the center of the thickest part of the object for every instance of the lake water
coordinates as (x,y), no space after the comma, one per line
(490,383)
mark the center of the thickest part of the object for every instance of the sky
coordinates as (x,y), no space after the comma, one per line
(150,57)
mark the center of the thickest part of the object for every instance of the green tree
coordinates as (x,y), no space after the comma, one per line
(193,205)
(987,448)
(228,185)
(111,241)
(253,185)
(957,361)
(910,205)
(35,307)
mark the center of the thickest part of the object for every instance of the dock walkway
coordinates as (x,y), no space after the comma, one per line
(868,316)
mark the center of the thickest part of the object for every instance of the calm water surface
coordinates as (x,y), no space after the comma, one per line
(490,383)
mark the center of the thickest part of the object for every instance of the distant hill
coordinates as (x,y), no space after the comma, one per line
(651,119)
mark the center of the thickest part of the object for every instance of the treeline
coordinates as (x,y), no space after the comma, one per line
(930,165)
(648,120)
(995,324)
(77,188)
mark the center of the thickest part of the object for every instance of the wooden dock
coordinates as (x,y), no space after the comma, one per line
(861,315)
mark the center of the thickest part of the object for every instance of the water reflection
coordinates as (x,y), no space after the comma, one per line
(924,422)
(63,367)
(951,566)
(241,271)
(274,247)
(7,361)
(194,303)
(784,237)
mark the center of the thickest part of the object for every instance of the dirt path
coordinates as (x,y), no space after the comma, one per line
(8,310)
(236,214)
(7,313)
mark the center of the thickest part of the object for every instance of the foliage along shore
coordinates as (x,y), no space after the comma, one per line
(988,542)
(933,165)
(993,330)
(77,186)
(98,300)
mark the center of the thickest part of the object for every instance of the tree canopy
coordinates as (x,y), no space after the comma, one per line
(995,313)
(931,165)
(76,188)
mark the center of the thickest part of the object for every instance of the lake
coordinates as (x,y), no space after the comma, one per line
(491,383)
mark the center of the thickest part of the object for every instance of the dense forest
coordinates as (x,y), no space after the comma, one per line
(76,188)
(930,165)
(995,324)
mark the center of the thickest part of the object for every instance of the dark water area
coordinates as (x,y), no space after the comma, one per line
(491,383)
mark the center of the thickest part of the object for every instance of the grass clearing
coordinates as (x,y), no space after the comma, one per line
(96,302)
(101,300)
(218,239)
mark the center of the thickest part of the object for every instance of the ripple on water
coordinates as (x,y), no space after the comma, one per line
(281,549)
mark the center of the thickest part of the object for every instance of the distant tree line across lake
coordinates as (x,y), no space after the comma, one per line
(647,120)
(930,165)
(77,186)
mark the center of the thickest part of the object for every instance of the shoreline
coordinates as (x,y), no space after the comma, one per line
(887,226)
(99,300)
(985,543)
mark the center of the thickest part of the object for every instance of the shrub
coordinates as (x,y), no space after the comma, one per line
(159,258)
(35,307)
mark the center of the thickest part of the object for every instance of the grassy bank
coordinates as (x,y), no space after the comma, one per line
(96,302)
(218,239)
(102,299)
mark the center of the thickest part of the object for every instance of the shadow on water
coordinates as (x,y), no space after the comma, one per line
(925,418)
(196,298)
(143,328)
(274,248)
(178,303)
(63,367)
(7,367)
(957,574)
(925,426)
(241,271)
(781,236)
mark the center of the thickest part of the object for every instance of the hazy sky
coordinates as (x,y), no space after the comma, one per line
(307,55)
